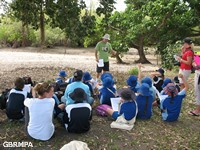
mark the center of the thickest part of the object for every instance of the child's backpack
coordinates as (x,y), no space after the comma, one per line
(4,98)
(101,110)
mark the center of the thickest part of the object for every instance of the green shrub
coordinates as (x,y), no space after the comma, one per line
(53,36)
(133,71)
(167,55)
(11,31)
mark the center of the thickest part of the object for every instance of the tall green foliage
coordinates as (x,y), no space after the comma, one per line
(152,23)
(10,32)
(66,16)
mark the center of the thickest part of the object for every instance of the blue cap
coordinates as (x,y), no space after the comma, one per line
(132,81)
(62,73)
(144,89)
(166,81)
(86,76)
(147,80)
(108,82)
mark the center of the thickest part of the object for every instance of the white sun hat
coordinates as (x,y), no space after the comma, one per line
(106,36)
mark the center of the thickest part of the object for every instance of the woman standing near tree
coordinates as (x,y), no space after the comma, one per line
(186,59)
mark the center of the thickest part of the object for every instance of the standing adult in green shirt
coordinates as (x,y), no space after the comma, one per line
(103,50)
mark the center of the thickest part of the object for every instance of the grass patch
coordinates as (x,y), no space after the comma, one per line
(147,134)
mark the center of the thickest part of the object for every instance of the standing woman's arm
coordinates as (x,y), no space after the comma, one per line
(188,61)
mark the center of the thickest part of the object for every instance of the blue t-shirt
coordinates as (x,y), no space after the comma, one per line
(171,111)
(105,95)
(71,87)
(128,110)
(144,106)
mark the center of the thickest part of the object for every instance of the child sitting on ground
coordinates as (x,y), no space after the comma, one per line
(78,115)
(62,77)
(89,81)
(158,79)
(107,91)
(144,100)
(132,83)
(177,83)
(148,81)
(15,102)
(161,95)
(103,76)
(171,106)
(127,109)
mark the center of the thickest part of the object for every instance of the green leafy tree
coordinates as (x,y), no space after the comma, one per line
(67,17)
(153,23)
(32,12)
(23,11)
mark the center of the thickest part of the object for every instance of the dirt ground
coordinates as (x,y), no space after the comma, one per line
(24,62)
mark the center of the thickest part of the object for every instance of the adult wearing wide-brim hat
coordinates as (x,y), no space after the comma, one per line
(144,100)
(103,51)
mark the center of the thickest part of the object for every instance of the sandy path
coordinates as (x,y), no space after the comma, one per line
(74,58)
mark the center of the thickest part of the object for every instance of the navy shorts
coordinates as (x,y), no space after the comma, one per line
(104,68)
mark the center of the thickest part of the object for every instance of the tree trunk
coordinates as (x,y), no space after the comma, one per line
(23,35)
(42,31)
(142,58)
(118,59)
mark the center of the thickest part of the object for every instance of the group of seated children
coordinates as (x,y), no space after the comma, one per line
(169,94)
(74,108)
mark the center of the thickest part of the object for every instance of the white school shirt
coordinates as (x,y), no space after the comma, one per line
(40,124)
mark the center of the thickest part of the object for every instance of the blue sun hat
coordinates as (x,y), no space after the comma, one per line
(166,81)
(108,82)
(87,76)
(107,74)
(62,73)
(170,88)
(144,89)
(147,80)
(132,81)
